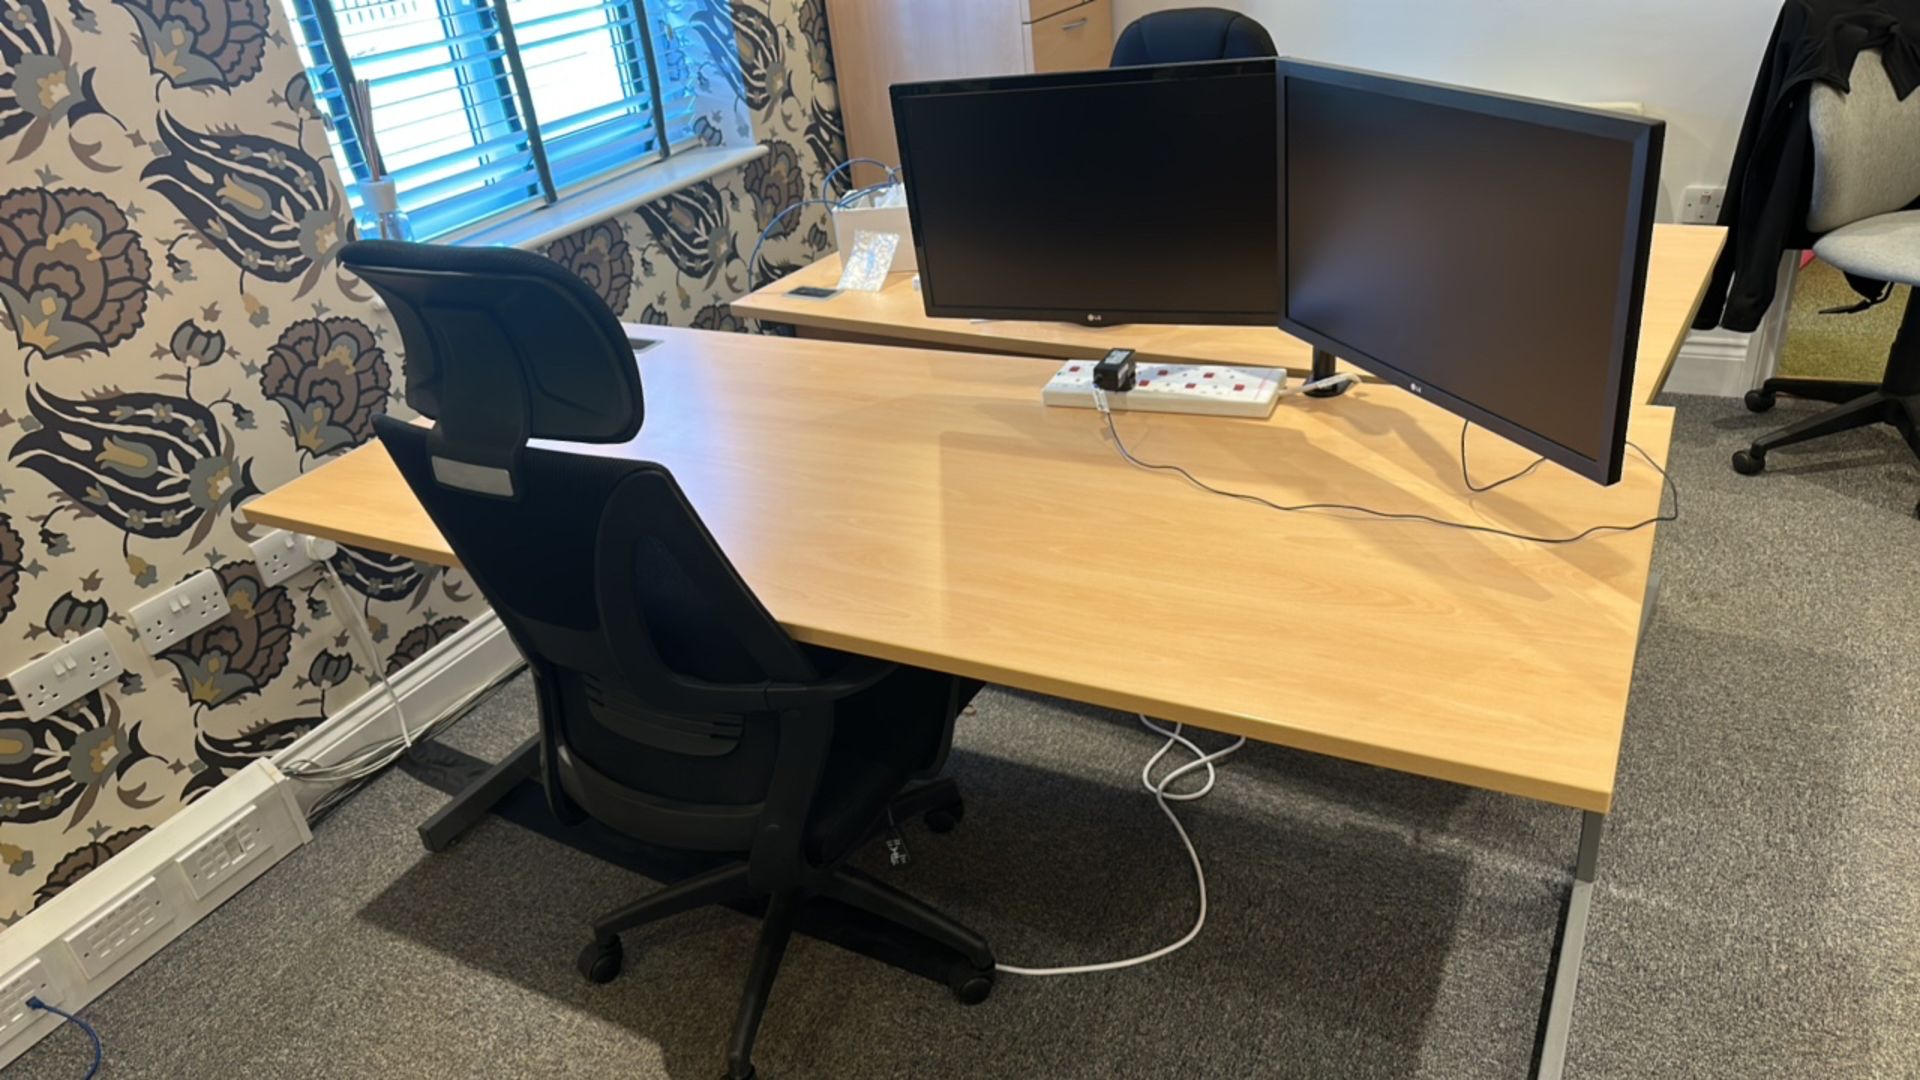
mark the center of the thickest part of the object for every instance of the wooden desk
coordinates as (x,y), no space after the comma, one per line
(925,507)
(1677,276)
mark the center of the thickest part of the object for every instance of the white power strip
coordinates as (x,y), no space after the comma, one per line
(1197,389)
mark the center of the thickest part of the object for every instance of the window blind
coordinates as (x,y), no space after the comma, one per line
(588,76)
(480,106)
(451,131)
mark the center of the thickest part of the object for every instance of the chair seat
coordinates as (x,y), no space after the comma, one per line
(1883,248)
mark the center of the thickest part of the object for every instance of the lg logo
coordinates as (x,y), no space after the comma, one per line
(1094,318)
(1415,387)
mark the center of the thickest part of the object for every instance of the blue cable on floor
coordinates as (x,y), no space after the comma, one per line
(36,1003)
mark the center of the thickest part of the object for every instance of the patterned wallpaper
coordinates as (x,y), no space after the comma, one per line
(175,337)
(680,259)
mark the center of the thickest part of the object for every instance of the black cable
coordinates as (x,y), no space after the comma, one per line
(1468,480)
(1667,485)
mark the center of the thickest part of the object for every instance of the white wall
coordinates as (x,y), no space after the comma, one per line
(1691,62)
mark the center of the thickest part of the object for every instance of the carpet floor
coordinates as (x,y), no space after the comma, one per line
(1755,914)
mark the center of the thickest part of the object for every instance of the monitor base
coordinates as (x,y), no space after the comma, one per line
(1323,368)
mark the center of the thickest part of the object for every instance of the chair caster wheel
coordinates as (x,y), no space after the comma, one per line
(945,818)
(970,984)
(1749,463)
(1761,400)
(600,961)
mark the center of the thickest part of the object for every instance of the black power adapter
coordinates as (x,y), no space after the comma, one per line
(1114,373)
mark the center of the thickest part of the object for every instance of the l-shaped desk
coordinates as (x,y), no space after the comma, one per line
(923,506)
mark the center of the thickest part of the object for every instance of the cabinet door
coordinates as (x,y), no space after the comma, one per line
(877,43)
(1078,38)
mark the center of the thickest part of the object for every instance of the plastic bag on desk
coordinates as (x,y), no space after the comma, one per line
(864,269)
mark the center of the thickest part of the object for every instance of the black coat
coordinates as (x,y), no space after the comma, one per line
(1771,184)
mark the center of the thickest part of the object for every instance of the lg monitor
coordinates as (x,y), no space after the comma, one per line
(1129,195)
(1486,252)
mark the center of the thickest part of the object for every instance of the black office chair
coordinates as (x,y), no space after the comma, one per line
(1183,35)
(673,708)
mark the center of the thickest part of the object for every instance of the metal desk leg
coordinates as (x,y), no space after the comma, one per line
(476,800)
(1563,969)
(1570,940)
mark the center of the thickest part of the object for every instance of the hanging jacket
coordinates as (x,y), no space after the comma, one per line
(1771,184)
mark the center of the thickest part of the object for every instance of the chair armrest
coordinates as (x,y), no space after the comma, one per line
(859,674)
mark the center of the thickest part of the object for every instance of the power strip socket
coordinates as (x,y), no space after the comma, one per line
(110,935)
(1196,389)
(28,982)
(65,675)
(200,601)
(280,555)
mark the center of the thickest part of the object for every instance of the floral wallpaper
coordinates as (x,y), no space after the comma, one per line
(176,336)
(679,260)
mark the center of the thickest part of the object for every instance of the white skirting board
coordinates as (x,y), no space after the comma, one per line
(1724,363)
(1719,363)
(76,945)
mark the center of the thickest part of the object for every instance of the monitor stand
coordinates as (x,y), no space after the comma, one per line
(1323,368)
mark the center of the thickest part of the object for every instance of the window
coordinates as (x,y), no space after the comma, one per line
(485,106)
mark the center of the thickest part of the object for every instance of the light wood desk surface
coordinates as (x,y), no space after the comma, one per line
(923,506)
(1681,262)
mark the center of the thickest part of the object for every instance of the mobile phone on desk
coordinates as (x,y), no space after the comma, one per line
(813,292)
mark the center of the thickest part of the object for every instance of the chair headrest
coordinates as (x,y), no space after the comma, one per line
(1187,35)
(502,346)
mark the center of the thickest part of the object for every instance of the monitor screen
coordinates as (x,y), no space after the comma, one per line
(1126,195)
(1486,252)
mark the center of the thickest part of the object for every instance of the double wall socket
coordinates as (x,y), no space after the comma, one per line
(280,555)
(68,673)
(197,602)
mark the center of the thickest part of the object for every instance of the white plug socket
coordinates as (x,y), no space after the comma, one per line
(30,981)
(197,602)
(1700,204)
(108,937)
(65,675)
(280,555)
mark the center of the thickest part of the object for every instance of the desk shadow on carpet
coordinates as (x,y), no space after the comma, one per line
(1351,934)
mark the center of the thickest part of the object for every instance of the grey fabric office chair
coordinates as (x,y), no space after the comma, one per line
(1185,35)
(1866,171)
(673,708)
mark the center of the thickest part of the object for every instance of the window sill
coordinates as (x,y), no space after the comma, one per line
(578,209)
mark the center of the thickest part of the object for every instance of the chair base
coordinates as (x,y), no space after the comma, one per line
(1895,400)
(970,978)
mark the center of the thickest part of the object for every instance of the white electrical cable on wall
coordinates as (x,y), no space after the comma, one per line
(357,623)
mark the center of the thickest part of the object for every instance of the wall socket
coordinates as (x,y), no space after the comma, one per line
(1700,204)
(65,675)
(280,555)
(216,858)
(113,933)
(197,602)
(27,982)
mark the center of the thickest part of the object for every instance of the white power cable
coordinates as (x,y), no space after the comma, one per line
(1164,798)
(357,623)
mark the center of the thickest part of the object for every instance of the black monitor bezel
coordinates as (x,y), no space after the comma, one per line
(1644,135)
(929,290)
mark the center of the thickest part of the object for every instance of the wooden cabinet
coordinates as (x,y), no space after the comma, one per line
(1078,38)
(877,43)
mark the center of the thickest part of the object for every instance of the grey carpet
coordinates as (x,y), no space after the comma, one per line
(1756,915)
